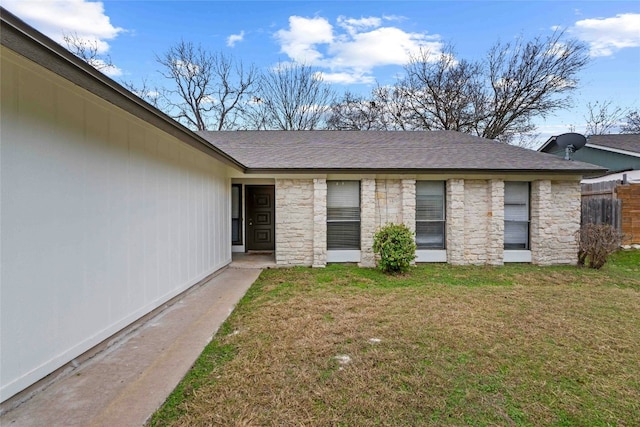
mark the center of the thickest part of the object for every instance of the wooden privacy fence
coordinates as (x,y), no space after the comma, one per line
(602,211)
(614,203)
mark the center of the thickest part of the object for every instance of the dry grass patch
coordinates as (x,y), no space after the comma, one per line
(347,346)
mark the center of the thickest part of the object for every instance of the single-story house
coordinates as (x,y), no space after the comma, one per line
(469,200)
(110,208)
(616,152)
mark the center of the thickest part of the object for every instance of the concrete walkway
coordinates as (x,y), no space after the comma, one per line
(124,384)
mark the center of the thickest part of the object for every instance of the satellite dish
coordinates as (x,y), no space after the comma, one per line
(570,142)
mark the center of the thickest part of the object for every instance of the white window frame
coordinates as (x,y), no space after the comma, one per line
(517,254)
(439,254)
(351,254)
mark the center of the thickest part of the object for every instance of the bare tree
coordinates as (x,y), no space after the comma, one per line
(290,97)
(631,122)
(528,80)
(87,50)
(145,91)
(602,118)
(443,92)
(209,89)
(354,112)
(385,109)
(392,102)
(497,98)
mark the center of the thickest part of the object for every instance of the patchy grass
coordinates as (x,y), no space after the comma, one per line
(440,345)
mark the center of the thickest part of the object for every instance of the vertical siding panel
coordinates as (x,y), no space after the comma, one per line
(207,218)
(199,231)
(12,221)
(184,220)
(137,164)
(164,256)
(96,231)
(67,208)
(103,219)
(118,257)
(174,227)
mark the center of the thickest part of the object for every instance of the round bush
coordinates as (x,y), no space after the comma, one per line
(396,247)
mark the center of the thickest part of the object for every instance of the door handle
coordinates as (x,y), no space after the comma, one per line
(250,222)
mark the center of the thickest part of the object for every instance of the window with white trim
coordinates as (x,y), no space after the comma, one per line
(516,215)
(236,214)
(430,214)
(343,215)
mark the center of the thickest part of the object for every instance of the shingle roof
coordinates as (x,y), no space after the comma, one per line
(383,151)
(626,142)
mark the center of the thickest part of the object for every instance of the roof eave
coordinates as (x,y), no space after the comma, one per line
(401,171)
(18,36)
(613,150)
(549,141)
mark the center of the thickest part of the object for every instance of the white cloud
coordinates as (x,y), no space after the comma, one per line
(299,41)
(108,69)
(353,25)
(235,38)
(382,46)
(352,48)
(347,78)
(55,18)
(605,36)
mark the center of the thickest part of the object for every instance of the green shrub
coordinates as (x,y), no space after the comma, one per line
(396,247)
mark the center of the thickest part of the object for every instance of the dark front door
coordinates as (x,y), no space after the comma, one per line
(260,218)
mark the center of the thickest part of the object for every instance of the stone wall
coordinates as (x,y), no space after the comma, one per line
(388,202)
(367,221)
(476,224)
(408,189)
(319,222)
(474,215)
(495,222)
(455,225)
(555,219)
(295,222)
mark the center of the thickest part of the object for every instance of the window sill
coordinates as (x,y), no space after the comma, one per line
(349,255)
(517,256)
(431,255)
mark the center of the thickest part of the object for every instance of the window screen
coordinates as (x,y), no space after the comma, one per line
(343,215)
(236,214)
(516,215)
(430,214)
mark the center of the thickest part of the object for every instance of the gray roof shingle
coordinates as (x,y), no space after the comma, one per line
(428,151)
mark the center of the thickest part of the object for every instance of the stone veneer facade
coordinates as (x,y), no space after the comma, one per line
(476,231)
(474,219)
(555,220)
(367,221)
(295,222)
(319,222)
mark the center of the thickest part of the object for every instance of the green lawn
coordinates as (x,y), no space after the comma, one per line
(440,345)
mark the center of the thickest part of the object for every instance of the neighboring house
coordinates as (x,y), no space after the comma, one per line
(620,154)
(109,208)
(614,152)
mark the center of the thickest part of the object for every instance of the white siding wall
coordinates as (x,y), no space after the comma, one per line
(103,218)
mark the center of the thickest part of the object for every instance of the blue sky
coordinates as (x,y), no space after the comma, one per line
(354,43)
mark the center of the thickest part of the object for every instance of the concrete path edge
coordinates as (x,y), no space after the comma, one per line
(125,385)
